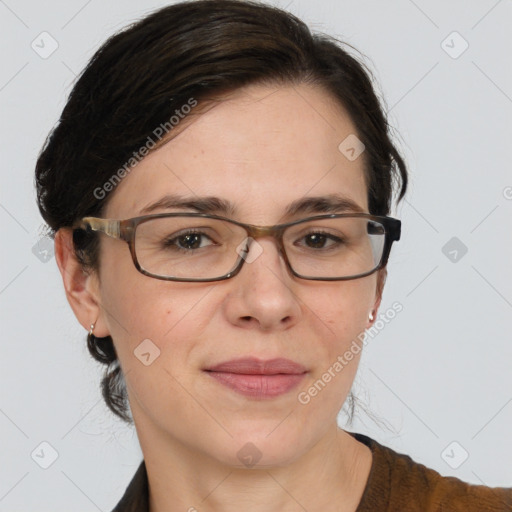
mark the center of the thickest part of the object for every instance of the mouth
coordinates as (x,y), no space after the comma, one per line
(256,378)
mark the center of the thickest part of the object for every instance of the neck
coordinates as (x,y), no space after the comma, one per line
(331,475)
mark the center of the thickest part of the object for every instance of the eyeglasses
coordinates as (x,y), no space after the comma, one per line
(198,247)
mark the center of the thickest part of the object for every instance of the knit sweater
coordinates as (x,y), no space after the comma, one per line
(396,483)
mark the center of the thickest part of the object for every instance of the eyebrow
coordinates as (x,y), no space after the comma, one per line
(331,203)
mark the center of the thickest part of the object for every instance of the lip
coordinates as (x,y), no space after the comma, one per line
(255,366)
(257,378)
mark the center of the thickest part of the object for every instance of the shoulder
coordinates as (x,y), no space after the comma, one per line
(397,482)
(136,496)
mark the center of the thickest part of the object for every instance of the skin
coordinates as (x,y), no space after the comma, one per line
(261,148)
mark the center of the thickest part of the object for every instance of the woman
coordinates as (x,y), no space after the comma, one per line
(219,187)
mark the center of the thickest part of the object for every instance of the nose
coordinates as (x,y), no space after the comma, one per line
(263,295)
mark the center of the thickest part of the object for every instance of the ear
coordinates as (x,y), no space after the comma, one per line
(82,289)
(381,280)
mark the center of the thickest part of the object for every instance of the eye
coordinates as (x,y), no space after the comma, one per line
(320,240)
(188,241)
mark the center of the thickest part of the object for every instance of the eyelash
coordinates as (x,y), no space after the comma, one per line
(171,242)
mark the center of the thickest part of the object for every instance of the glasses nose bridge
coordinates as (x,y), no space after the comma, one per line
(275,232)
(259,231)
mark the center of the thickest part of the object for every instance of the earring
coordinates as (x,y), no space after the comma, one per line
(91,335)
(370,316)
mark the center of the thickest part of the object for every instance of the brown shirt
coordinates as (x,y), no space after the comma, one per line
(396,483)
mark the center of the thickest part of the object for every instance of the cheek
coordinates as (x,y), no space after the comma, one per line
(340,312)
(146,309)
(149,316)
(155,327)
(343,311)
(345,306)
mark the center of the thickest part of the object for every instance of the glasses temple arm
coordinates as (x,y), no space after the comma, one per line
(110,227)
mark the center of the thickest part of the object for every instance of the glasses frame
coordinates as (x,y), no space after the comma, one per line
(125,230)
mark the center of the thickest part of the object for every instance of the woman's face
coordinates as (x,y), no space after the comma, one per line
(261,149)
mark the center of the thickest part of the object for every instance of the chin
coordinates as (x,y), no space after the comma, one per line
(263,447)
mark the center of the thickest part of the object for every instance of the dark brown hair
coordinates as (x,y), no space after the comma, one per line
(194,49)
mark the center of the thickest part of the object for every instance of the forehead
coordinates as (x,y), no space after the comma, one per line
(260,148)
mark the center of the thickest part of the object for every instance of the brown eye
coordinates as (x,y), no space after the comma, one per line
(187,241)
(316,240)
(192,241)
(319,240)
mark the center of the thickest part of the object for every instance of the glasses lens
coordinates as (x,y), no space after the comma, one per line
(188,247)
(203,248)
(335,247)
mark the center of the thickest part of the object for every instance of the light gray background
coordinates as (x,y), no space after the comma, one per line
(439,372)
